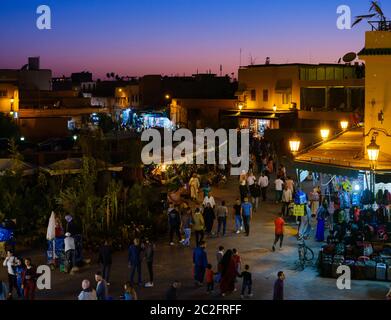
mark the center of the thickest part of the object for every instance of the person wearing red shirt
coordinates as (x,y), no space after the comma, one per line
(279,231)
(209,278)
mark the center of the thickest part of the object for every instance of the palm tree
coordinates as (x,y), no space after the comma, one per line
(375,11)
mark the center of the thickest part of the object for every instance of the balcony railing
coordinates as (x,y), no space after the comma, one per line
(384,25)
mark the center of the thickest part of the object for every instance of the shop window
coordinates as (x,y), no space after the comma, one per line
(253,95)
(265,95)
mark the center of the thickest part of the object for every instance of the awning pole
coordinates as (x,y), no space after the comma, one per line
(298,176)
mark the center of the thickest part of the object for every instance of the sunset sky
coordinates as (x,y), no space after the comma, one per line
(134,38)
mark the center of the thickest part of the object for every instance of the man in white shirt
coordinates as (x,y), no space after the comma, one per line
(11,262)
(209,199)
(70,258)
(264,184)
(251,179)
(278,187)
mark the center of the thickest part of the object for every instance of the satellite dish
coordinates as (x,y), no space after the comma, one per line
(349,57)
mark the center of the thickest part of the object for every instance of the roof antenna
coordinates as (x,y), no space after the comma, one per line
(252,60)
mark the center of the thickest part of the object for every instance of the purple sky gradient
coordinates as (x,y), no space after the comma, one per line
(134,38)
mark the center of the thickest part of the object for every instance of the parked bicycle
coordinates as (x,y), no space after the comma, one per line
(305,253)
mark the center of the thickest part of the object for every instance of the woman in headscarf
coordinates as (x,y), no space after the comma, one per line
(228,273)
(194,184)
(315,200)
(321,217)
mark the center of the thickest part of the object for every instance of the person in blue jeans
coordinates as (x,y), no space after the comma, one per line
(19,272)
(247,212)
(187,222)
(134,261)
(238,216)
(200,261)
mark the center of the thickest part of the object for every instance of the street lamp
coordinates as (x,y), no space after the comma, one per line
(294,145)
(275,108)
(344,124)
(373,150)
(167,97)
(240,106)
(324,133)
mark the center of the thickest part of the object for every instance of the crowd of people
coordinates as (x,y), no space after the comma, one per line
(192,223)
(203,218)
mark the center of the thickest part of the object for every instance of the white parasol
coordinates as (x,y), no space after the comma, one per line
(51,232)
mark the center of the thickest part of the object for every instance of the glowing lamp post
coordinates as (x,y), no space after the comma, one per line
(240,106)
(274,108)
(294,145)
(373,150)
(325,133)
(344,125)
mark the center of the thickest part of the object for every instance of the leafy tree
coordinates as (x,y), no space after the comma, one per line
(106,123)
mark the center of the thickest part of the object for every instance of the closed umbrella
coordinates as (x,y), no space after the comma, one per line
(51,232)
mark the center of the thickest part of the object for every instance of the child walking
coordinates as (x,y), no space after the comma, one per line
(247,282)
(209,278)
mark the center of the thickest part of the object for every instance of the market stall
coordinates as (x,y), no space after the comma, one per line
(360,231)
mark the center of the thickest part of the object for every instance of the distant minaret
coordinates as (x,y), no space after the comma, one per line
(221,70)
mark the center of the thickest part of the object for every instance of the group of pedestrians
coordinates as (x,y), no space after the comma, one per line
(229,269)
(22,278)
(101,291)
(251,187)
(138,251)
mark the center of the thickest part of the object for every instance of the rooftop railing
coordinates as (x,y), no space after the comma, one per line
(383,25)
